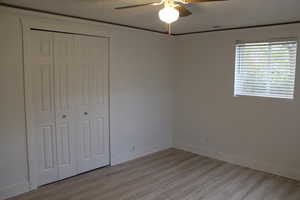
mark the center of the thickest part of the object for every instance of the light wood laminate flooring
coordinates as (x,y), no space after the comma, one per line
(170,175)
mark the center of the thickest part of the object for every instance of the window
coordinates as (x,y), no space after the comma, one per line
(266,69)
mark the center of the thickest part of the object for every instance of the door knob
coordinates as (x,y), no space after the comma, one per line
(86,113)
(64,116)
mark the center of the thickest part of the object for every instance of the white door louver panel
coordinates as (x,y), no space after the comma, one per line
(266,69)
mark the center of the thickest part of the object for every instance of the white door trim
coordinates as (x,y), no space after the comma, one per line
(53,25)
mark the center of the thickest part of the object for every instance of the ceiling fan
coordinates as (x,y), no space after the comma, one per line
(173,9)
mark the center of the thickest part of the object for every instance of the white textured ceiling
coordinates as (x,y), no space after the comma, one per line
(228,14)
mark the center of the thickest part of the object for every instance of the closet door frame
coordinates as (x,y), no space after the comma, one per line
(68,27)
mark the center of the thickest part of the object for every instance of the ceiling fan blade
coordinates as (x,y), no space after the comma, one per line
(183,12)
(135,6)
(200,1)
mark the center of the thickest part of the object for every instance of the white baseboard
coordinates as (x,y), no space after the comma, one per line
(13,190)
(127,156)
(272,168)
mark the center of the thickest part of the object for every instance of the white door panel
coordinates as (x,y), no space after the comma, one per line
(92,55)
(64,105)
(101,56)
(40,52)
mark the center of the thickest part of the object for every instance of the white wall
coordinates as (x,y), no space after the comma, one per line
(141,92)
(261,133)
(13,163)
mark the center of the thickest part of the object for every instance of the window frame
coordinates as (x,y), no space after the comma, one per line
(237,60)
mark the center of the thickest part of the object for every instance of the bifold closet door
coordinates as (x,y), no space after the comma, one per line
(92,60)
(67,82)
(53,74)
(65,105)
(41,70)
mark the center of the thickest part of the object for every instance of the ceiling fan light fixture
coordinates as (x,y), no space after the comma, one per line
(168,15)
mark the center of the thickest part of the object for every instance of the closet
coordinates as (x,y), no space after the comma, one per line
(67,100)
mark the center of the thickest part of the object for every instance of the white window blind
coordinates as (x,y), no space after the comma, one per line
(266,69)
